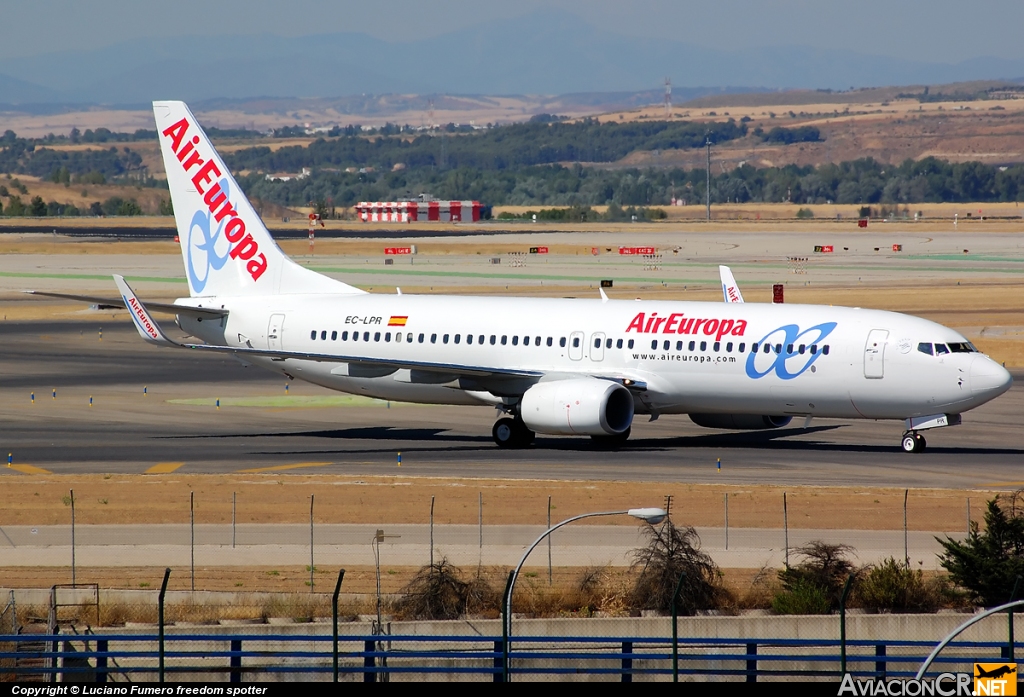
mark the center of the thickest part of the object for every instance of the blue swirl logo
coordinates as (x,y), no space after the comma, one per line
(779,359)
(205,245)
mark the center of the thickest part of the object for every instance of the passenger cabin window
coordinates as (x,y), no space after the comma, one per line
(728,347)
(420,338)
(743,347)
(679,346)
(334,336)
(312,335)
(824,349)
(433,338)
(925,348)
(408,337)
(376,336)
(469,338)
(398,337)
(597,343)
(692,346)
(753,348)
(717,346)
(444,339)
(575,342)
(323,335)
(803,349)
(550,341)
(703,346)
(366,336)
(618,343)
(458,337)
(515,340)
(789,349)
(494,339)
(561,342)
(630,345)
(536,341)
(387,337)
(940,349)
(480,339)
(504,339)
(344,336)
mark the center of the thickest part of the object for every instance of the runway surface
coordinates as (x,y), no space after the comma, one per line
(304,431)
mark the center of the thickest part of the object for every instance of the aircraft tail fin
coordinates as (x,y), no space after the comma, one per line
(225,246)
(730,290)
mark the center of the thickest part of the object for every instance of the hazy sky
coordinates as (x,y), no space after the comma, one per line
(929,30)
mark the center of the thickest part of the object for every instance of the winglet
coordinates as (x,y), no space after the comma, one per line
(147,326)
(730,291)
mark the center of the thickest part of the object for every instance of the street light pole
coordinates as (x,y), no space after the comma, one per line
(649,515)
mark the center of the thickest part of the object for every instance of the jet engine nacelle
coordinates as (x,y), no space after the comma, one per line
(740,422)
(580,406)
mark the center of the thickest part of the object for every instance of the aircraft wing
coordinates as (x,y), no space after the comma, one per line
(205,313)
(151,332)
(730,290)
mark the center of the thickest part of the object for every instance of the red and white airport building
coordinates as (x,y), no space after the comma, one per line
(418,211)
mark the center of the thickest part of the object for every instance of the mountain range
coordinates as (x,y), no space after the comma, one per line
(549,53)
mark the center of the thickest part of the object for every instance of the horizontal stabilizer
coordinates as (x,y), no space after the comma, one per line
(205,313)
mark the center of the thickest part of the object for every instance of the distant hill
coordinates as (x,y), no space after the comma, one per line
(547,53)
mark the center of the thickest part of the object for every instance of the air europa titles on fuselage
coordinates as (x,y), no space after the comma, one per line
(679,323)
(243,247)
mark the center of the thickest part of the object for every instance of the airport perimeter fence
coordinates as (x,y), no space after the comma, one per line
(737,530)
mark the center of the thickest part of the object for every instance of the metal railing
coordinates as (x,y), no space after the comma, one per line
(253,657)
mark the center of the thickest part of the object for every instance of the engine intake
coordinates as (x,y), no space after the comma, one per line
(580,406)
(740,422)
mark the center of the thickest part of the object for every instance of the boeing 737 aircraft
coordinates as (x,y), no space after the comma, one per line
(549,365)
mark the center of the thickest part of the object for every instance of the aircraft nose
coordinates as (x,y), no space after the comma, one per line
(988,378)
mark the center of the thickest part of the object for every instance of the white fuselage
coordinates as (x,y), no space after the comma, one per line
(695,357)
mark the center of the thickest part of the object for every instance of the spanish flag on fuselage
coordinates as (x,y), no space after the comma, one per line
(398,320)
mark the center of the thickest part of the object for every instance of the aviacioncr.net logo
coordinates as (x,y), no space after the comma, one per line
(779,359)
(205,246)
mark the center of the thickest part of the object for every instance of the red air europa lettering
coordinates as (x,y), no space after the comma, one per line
(678,323)
(244,247)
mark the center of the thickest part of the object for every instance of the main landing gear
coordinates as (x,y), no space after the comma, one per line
(913,442)
(511,432)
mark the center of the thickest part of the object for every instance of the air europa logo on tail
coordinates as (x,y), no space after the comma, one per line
(679,323)
(243,246)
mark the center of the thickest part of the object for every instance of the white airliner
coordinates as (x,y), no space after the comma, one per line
(549,365)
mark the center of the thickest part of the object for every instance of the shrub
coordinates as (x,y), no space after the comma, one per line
(670,552)
(804,213)
(823,572)
(439,592)
(802,597)
(892,587)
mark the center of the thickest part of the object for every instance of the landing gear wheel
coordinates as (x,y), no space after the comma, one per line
(512,433)
(615,441)
(913,443)
(504,433)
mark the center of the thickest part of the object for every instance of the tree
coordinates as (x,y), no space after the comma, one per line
(37,208)
(988,563)
(671,552)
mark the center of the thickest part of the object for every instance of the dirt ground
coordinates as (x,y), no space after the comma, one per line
(39,499)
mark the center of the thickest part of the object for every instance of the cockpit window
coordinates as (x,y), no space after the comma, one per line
(962,347)
(940,349)
(925,348)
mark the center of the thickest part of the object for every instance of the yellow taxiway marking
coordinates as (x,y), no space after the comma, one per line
(280,468)
(1001,484)
(163,467)
(29,469)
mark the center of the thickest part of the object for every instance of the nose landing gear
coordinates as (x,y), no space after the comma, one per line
(913,442)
